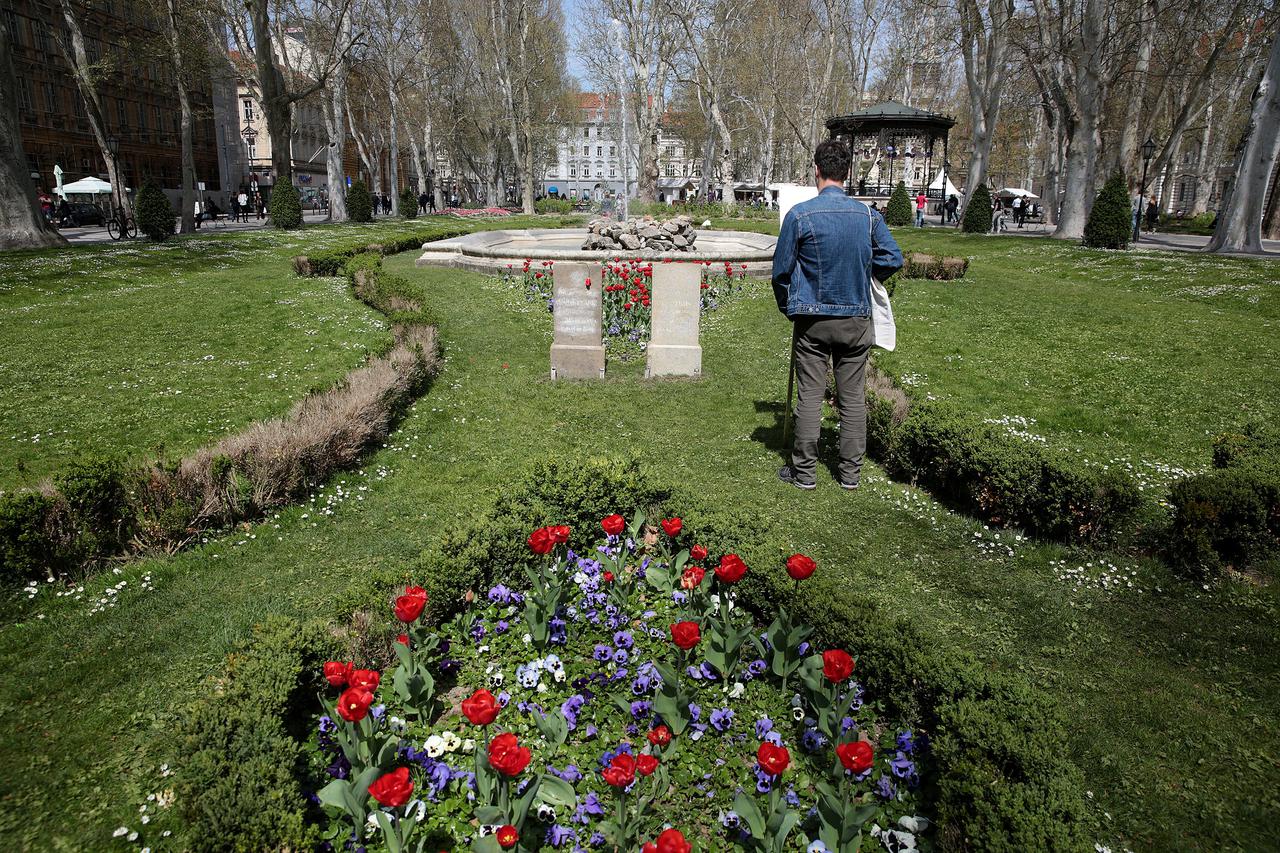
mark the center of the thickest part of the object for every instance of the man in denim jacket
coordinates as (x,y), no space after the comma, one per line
(827,251)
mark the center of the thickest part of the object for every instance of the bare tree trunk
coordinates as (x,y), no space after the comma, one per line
(21,224)
(1126,152)
(272,95)
(187,205)
(985,64)
(1204,171)
(428,144)
(393,151)
(77,57)
(1239,227)
(725,150)
(335,126)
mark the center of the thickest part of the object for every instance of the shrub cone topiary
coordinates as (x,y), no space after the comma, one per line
(898,210)
(408,203)
(286,206)
(977,213)
(1110,224)
(359,203)
(153,212)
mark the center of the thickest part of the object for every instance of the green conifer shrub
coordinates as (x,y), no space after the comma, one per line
(359,203)
(286,206)
(898,210)
(977,213)
(154,213)
(408,203)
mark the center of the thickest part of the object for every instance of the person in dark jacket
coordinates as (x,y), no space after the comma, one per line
(827,251)
(1153,214)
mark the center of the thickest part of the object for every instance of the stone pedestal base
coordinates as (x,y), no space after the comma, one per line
(577,362)
(674,360)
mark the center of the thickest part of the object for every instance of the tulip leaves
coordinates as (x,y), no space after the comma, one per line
(840,821)
(768,832)
(554,727)
(671,702)
(785,636)
(544,598)
(413,683)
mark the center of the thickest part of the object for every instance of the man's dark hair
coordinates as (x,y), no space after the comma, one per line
(832,158)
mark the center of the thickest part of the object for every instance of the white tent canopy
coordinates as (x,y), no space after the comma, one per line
(1012,191)
(951,188)
(87,186)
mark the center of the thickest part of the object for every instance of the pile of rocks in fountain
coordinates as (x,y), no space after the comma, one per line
(647,234)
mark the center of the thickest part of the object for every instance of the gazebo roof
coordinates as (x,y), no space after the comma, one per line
(889,114)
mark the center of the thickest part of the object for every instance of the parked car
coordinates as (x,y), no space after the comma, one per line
(83,213)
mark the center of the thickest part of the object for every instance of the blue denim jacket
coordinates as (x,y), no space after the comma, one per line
(826,250)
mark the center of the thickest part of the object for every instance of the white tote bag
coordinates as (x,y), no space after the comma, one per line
(884,333)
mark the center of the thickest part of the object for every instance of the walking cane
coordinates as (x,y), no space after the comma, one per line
(791,387)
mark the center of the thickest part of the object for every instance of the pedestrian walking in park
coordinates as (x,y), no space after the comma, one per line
(242,203)
(921,201)
(997,216)
(1135,208)
(260,205)
(952,205)
(827,251)
(1017,210)
(1153,214)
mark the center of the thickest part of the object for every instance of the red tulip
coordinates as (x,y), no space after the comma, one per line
(686,635)
(337,673)
(481,708)
(410,605)
(559,533)
(621,771)
(353,704)
(613,524)
(697,552)
(660,736)
(507,837)
(731,569)
(692,577)
(646,764)
(773,759)
(836,665)
(507,756)
(393,789)
(671,526)
(856,757)
(672,841)
(800,567)
(365,679)
(541,541)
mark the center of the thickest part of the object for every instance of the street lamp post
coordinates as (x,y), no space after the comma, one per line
(1148,151)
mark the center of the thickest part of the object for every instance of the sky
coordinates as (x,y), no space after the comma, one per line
(572,61)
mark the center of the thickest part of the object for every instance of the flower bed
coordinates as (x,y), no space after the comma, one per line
(474,211)
(627,296)
(592,711)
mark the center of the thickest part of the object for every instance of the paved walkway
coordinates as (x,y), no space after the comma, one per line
(98,234)
(1174,242)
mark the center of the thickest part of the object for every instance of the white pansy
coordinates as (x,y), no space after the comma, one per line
(913,823)
(120,830)
(434,746)
(451,741)
(468,745)
(738,689)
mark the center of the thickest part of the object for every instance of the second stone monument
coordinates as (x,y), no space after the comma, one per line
(576,349)
(677,302)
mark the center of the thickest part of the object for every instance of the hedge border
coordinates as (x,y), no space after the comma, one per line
(162,507)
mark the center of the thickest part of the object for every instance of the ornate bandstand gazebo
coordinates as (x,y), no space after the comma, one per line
(892,131)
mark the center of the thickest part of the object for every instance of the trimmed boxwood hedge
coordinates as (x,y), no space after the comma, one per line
(1004,784)
(977,468)
(1230,516)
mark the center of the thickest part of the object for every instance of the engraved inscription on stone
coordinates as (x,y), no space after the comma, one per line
(673,343)
(576,350)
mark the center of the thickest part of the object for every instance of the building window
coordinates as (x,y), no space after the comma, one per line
(671,170)
(586,151)
(24,94)
(599,150)
(586,170)
(15,29)
(684,170)
(42,37)
(573,170)
(613,171)
(613,151)
(78,100)
(51,104)
(121,112)
(155,114)
(142,115)
(248,109)
(586,133)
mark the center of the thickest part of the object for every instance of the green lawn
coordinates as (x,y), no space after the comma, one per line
(1171,690)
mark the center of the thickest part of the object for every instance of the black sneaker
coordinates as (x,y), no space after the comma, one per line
(786,475)
(848,487)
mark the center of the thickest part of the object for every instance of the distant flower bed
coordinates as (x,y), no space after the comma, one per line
(475,211)
(627,294)
(620,702)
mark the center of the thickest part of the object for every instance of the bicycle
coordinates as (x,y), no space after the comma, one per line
(121,226)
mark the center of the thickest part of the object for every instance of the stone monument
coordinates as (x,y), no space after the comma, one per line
(576,349)
(677,304)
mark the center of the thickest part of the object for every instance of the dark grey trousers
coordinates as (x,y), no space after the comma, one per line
(844,341)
